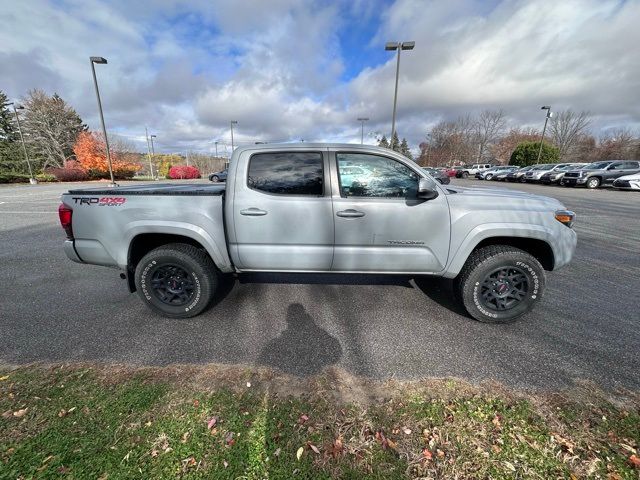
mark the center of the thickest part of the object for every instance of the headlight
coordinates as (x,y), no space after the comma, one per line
(565,217)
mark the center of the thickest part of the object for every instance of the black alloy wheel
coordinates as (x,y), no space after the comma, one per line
(504,288)
(172,285)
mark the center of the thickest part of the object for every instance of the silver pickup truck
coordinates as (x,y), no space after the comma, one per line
(321,208)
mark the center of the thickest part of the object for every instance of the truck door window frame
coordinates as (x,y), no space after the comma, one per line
(323,157)
(335,153)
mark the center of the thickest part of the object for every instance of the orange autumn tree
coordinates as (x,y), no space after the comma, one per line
(92,157)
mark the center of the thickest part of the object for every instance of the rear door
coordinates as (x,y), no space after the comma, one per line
(380,224)
(282,212)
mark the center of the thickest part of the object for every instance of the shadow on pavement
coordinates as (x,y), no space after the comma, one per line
(441,291)
(302,348)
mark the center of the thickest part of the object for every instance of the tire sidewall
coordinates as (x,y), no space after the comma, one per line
(596,183)
(472,289)
(215,179)
(202,283)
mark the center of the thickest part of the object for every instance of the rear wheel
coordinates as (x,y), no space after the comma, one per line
(464,174)
(488,176)
(499,284)
(176,280)
(215,178)
(593,182)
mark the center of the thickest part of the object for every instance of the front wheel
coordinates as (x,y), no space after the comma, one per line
(176,280)
(499,284)
(593,182)
(215,178)
(489,176)
(465,174)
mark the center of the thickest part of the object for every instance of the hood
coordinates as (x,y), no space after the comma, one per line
(633,176)
(501,194)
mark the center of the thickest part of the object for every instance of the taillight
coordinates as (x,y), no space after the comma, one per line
(65,214)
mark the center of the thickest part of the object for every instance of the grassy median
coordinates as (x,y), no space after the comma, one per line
(215,422)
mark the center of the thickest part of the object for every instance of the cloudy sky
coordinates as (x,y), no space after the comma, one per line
(290,69)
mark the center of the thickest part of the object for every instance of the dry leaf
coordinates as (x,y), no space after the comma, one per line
(212,423)
(427,454)
(277,452)
(314,448)
(407,431)
(634,460)
(20,413)
(299,453)
(224,462)
(303,418)
(185,437)
(510,466)
(248,384)
(3,378)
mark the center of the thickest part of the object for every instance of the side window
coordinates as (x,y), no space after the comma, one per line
(289,173)
(617,166)
(630,165)
(375,176)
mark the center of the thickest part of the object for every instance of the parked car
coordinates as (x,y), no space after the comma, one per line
(599,174)
(285,208)
(453,171)
(441,177)
(355,174)
(491,172)
(628,182)
(218,176)
(472,170)
(501,175)
(533,175)
(518,175)
(556,174)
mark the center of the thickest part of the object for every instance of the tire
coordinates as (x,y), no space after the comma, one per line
(464,174)
(488,176)
(192,273)
(215,178)
(593,183)
(484,268)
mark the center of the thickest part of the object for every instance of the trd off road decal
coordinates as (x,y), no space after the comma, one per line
(100,201)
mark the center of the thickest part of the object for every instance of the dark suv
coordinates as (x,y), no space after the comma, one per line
(599,174)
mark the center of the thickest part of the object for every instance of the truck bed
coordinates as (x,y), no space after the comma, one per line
(155,189)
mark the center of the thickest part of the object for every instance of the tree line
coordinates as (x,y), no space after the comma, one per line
(487,137)
(60,146)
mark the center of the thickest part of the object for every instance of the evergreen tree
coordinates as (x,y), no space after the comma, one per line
(10,154)
(404,149)
(395,142)
(7,130)
(383,142)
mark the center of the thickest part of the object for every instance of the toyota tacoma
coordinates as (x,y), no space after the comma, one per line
(296,208)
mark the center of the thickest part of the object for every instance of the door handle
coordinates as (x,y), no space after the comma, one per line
(350,213)
(253,212)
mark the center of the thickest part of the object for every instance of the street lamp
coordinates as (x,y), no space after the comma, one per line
(102,61)
(146,135)
(362,120)
(216,142)
(399,46)
(233,122)
(153,152)
(549,115)
(32,180)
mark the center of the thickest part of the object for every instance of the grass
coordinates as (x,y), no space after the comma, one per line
(97,422)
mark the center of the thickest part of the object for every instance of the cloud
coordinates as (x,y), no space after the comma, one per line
(284,68)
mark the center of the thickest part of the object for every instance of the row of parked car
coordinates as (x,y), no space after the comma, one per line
(622,174)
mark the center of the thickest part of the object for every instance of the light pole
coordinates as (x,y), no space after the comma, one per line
(216,149)
(399,46)
(362,120)
(153,152)
(233,122)
(102,61)
(32,180)
(146,134)
(544,129)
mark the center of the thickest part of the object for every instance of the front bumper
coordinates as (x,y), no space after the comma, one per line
(575,180)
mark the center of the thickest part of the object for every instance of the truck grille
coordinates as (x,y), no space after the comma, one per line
(571,175)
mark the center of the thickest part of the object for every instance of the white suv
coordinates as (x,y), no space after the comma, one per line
(473,169)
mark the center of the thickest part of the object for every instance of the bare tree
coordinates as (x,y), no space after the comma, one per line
(487,128)
(502,149)
(618,143)
(206,163)
(566,128)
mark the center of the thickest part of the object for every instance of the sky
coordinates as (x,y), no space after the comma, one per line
(291,70)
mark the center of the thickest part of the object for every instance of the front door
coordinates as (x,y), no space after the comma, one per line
(380,224)
(282,212)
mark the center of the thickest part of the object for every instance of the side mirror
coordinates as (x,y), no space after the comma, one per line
(427,189)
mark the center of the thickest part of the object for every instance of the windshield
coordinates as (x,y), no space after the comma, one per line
(597,165)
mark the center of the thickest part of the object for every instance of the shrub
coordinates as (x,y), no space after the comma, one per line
(14,178)
(46,177)
(68,174)
(183,172)
(526,153)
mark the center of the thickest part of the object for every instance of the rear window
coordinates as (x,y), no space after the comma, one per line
(288,173)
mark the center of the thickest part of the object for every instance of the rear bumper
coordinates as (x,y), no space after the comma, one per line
(70,251)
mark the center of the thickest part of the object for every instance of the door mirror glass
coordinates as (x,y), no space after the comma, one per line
(427,189)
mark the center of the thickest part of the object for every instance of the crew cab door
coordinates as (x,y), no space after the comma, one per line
(380,224)
(282,212)
(620,169)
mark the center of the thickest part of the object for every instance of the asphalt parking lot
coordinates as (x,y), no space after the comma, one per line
(586,328)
